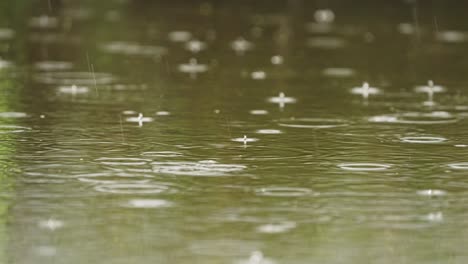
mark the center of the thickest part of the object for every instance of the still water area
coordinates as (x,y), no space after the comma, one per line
(244,132)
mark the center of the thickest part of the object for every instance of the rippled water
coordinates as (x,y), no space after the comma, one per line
(233,132)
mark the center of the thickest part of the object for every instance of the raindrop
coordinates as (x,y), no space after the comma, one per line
(338,72)
(276,227)
(258,75)
(326,42)
(43,21)
(431,192)
(277,60)
(256,257)
(6,33)
(240,46)
(364,166)
(269,131)
(365,90)
(258,112)
(281,100)
(195,46)
(324,16)
(73,89)
(452,36)
(244,139)
(180,36)
(193,68)
(140,119)
(148,203)
(163,113)
(51,224)
(434,217)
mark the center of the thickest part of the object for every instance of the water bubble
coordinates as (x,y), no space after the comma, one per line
(277,60)
(53,65)
(51,224)
(423,140)
(240,46)
(364,166)
(431,192)
(13,115)
(258,112)
(135,188)
(338,72)
(258,75)
(365,90)
(73,89)
(459,166)
(148,203)
(269,131)
(324,16)
(284,191)
(193,68)
(180,36)
(314,123)
(282,100)
(201,168)
(195,46)
(276,227)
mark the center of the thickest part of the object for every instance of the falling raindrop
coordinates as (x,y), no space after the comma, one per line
(365,90)
(277,60)
(195,46)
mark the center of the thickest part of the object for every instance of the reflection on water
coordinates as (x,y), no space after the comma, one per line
(230,132)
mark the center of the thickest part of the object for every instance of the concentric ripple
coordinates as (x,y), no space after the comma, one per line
(423,140)
(123,161)
(75,78)
(208,168)
(135,188)
(284,191)
(459,166)
(315,123)
(416,118)
(364,166)
(8,129)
